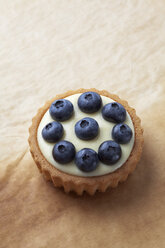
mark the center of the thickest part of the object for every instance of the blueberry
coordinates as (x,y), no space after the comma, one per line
(87,128)
(114,112)
(61,110)
(52,132)
(86,160)
(89,102)
(122,133)
(109,152)
(63,152)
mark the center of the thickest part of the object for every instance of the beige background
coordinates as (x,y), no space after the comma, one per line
(46,48)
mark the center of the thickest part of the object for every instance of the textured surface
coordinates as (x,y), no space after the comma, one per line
(48,47)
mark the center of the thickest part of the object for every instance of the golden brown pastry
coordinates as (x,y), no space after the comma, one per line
(74,175)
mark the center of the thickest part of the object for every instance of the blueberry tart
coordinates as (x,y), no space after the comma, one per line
(86,140)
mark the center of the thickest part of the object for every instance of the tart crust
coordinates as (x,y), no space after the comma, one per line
(89,184)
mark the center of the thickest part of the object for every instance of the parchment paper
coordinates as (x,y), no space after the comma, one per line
(46,48)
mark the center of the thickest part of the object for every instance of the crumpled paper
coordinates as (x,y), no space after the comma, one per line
(47,48)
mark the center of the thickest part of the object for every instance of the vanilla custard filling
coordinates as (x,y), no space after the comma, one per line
(105,129)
